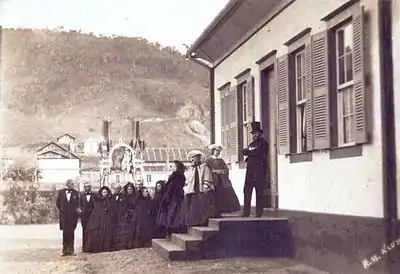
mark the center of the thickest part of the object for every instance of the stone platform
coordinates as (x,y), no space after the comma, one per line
(230,237)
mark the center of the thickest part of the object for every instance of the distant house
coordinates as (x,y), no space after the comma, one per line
(67,140)
(57,164)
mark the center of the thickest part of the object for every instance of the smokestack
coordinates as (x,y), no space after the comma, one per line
(135,129)
(107,133)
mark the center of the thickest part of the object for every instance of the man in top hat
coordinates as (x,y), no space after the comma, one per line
(256,172)
(68,206)
(87,205)
(197,205)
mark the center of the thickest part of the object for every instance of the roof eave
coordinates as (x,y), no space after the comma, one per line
(211,27)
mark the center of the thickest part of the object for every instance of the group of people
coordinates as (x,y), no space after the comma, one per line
(131,218)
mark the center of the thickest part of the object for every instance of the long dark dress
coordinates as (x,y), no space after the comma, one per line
(169,212)
(145,221)
(117,200)
(225,199)
(101,227)
(159,231)
(126,228)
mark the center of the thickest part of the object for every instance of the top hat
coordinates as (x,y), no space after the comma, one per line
(256,127)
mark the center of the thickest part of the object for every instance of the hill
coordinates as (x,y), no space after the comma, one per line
(55,82)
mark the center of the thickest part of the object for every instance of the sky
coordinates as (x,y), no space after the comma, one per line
(168,22)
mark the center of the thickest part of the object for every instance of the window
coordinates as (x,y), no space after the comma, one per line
(321,86)
(243,109)
(300,89)
(345,84)
(149,178)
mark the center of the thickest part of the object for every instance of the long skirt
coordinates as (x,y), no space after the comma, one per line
(196,209)
(226,200)
(99,241)
(126,232)
(170,216)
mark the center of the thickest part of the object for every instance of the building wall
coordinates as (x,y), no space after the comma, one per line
(396,72)
(350,186)
(58,170)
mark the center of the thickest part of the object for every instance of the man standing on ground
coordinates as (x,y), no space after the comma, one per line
(68,206)
(87,205)
(256,172)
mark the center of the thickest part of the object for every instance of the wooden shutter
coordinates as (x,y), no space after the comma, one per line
(227,124)
(233,128)
(250,107)
(360,134)
(309,97)
(283,104)
(320,87)
(223,116)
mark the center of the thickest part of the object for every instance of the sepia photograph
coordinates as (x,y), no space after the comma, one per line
(191,137)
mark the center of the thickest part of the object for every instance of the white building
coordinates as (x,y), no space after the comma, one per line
(318,76)
(57,165)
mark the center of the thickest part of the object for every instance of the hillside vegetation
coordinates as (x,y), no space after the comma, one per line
(55,82)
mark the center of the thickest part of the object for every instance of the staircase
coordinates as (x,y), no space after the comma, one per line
(229,237)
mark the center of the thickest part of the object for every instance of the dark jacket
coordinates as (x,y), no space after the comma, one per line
(257,166)
(86,206)
(68,209)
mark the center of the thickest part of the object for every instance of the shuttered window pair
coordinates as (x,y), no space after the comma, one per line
(237,109)
(332,78)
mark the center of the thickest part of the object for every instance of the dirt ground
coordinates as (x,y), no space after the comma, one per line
(36,249)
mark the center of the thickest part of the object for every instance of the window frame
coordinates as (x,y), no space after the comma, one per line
(336,21)
(241,83)
(297,45)
(341,88)
(300,126)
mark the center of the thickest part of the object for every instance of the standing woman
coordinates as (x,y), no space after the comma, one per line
(146,220)
(225,199)
(126,225)
(102,223)
(159,232)
(169,212)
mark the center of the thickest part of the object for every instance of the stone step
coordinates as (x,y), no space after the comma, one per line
(167,249)
(232,220)
(187,241)
(204,232)
(171,251)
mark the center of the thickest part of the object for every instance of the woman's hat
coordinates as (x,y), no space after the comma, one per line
(215,146)
(195,152)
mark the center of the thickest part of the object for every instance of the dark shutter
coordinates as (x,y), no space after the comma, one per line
(309,97)
(320,87)
(283,104)
(227,118)
(223,116)
(233,128)
(250,107)
(360,134)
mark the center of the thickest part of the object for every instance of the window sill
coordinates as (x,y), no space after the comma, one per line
(301,157)
(346,151)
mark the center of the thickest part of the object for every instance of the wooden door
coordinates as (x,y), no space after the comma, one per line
(269,123)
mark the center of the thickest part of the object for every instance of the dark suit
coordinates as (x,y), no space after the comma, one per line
(87,207)
(68,217)
(256,175)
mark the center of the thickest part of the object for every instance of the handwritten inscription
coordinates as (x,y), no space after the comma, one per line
(376,258)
